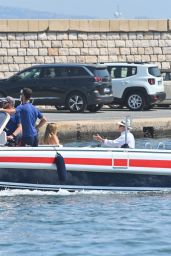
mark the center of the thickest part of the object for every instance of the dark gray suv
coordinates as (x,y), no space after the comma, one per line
(77,87)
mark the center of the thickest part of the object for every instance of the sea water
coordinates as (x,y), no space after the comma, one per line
(85,223)
(149,143)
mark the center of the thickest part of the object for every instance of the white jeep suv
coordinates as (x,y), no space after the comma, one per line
(138,86)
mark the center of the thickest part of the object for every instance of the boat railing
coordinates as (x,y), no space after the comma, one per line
(161,145)
(148,145)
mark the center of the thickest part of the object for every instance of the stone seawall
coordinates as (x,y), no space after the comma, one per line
(27,42)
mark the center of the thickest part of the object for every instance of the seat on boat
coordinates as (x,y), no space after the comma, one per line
(4,118)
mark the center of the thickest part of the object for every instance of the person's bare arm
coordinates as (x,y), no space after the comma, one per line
(55,140)
(98,138)
(43,120)
(15,133)
(18,130)
(9,111)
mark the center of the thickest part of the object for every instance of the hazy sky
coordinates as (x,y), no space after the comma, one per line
(99,8)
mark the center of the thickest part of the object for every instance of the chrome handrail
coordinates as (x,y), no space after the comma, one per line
(161,145)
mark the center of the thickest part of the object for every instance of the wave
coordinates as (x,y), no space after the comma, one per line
(64,192)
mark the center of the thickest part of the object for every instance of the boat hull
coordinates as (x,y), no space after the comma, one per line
(48,180)
(87,168)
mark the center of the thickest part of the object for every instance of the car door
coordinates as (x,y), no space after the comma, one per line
(27,78)
(115,72)
(48,87)
(51,85)
(121,79)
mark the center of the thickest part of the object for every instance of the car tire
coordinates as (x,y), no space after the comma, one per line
(76,102)
(94,107)
(135,101)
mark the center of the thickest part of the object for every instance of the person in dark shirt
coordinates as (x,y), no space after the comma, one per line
(29,115)
(13,128)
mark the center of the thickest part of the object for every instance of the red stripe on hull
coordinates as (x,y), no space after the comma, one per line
(89,161)
(150,163)
(27,159)
(121,162)
(51,160)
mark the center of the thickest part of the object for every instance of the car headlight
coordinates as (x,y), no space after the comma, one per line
(96,91)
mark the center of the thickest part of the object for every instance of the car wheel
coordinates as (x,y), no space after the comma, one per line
(76,103)
(135,101)
(94,107)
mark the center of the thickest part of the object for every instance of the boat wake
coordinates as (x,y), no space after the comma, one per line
(61,192)
(64,192)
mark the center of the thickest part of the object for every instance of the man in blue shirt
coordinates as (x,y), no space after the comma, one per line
(29,114)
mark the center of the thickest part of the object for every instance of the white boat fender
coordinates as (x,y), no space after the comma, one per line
(61,168)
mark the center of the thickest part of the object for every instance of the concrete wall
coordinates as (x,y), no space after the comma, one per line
(27,42)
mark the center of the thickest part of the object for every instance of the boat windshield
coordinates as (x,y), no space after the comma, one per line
(4,118)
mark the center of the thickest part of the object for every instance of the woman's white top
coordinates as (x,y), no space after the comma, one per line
(121,141)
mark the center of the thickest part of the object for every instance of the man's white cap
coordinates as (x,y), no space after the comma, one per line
(123,123)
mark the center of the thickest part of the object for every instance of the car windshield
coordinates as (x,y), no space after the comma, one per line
(154,71)
(29,74)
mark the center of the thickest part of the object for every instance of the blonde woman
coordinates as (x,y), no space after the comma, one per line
(50,137)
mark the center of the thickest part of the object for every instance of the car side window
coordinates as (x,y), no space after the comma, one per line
(76,71)
(33,73)
(131,71)
(48,73)
(127,71)
(122,72)
(115,72)
(61,72)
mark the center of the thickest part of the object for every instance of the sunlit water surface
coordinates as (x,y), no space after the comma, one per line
(154,143)
(85,223)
